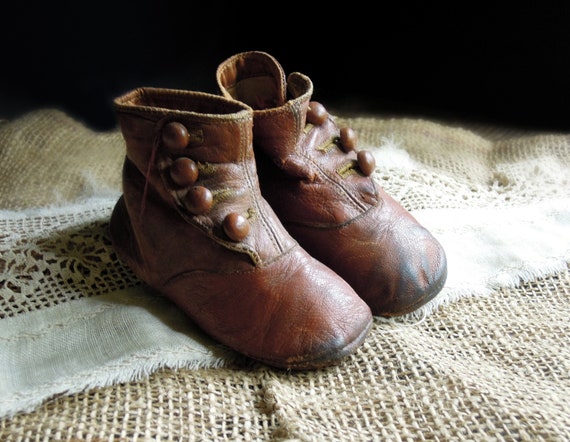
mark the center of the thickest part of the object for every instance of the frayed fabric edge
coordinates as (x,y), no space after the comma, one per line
(127,369)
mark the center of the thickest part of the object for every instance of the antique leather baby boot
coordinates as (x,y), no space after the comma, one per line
(192,224)
(321,189)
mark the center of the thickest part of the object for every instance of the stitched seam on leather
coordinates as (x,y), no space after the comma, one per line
(323,172)
(183,273)
(273,235)
(330,226)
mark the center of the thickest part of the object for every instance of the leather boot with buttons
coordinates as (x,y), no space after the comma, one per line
(321,188)
(192,224)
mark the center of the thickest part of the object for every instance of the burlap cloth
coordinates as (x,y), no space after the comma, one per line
(493,367)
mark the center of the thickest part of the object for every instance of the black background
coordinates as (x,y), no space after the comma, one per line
(496,64)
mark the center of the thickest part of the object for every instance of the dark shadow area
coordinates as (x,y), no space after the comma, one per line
(507,65)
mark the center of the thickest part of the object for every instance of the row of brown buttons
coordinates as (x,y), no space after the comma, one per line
(184,173)
(317,115)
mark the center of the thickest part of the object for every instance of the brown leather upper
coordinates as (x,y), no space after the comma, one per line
(338,213)
(262,294)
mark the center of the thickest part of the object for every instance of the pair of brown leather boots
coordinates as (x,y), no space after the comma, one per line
(259,218)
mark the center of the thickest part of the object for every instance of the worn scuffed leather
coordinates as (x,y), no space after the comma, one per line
(262,295)
(339,214)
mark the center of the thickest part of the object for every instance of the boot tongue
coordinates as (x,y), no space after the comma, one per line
(255,78)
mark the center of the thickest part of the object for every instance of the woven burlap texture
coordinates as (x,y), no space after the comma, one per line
(50,159)
(491,368)
(482,368)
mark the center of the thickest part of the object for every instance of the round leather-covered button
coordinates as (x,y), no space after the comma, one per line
(316,114)
(199,200)
(184,172)
(175,136)
(366,162)
(236,226)
(347,139)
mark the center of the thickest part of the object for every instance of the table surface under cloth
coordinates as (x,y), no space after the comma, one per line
(489,359)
